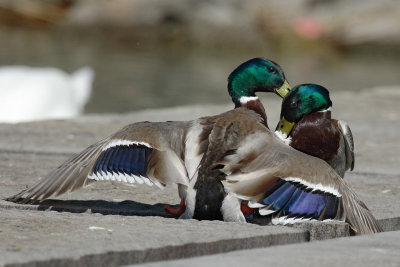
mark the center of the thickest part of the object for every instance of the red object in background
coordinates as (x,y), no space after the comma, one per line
(308,28)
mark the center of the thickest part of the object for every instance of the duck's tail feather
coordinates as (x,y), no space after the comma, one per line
(358,215)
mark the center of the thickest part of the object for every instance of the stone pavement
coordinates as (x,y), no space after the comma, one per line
(373,250)
(111,224)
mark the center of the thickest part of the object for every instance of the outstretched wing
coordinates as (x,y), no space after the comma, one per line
(349,143)
(143,153)
(293,186)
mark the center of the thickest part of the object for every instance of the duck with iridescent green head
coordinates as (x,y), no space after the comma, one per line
(165,153)
(306,125)
(218,162)
(256,75)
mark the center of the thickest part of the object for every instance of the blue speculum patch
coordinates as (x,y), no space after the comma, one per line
(127,159)
(295,200)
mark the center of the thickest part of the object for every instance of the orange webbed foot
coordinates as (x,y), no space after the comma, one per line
(177,212)
(246,210)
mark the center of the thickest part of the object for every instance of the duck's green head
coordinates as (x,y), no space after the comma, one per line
(257,75)
(302,100)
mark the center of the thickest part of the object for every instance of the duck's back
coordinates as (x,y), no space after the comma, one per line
(225,134)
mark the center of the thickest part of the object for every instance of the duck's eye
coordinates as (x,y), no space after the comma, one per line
(294,104)
(271,69)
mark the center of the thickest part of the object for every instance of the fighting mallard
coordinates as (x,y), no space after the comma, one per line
(218,162)
(158,153)
(306,125)
(245,161)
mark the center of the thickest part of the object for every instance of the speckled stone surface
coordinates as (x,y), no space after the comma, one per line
(111,224)
(368,251)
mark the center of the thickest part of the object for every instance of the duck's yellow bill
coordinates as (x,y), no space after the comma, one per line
(283,90)
(284,126)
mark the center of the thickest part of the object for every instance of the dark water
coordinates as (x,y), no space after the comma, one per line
(132,76)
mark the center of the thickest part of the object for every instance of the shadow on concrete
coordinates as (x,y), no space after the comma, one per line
(127,207)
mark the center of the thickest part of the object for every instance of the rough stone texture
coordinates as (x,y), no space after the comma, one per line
(324,230)
(71,136)
(372,250)
(66,239)
(37,234)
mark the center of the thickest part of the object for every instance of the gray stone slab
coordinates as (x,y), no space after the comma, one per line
(37,238)
(372,250)
(379,191)
(18,171)
(71,136)
(374,118)
(28,151)
(372,114)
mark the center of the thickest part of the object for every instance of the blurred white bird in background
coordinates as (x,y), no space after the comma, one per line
(28,93)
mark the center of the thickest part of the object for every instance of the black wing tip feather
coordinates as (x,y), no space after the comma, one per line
(368,224)
(62,179)
(20,199)
(14,198)
(373,228)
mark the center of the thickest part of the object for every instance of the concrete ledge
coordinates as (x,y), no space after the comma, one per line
(37,238)
(368,251)
(390,224)
(73,229)
(324,230)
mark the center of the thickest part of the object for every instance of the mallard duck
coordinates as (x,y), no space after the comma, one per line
(161,153)
(237,159)
(43,93)
(217,162)
(245,161)
(306,125)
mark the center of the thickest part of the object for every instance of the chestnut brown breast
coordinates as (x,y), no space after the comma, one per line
(317,135)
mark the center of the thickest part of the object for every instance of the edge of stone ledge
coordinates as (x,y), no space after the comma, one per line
(298,233)
(317,230)
(171,251)
(324,230)
(390,224)
(117,258)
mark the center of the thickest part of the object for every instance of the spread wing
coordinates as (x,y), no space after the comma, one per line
(349,143)
(143,153)
(293,186)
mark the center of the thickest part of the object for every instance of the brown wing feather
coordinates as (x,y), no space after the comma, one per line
(165,164)
(273,159)
(349,143)
(357,214)
(67,177)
